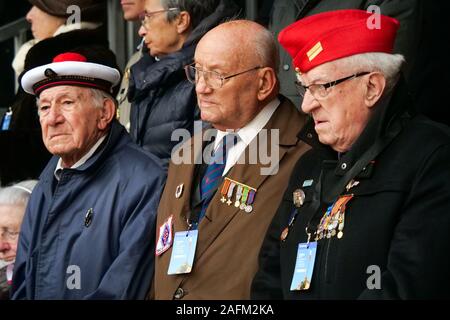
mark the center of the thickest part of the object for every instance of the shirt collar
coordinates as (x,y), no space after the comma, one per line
(80,162)
(251,130)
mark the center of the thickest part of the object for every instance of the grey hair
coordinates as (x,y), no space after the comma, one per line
(388,64)
(99,95)
(17,194)
(197,9)
(266,49)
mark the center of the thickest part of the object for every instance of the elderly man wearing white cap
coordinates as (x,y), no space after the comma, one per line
(89,225)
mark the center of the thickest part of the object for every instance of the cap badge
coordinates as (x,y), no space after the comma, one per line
(314,51)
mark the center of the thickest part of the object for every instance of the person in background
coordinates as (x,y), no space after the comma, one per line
(132,10)
(13,202)
(162,99)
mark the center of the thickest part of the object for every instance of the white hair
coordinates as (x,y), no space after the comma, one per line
(17,194)
(388,64)
(99,95)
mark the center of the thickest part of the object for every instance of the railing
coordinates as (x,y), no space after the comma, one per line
(16,30)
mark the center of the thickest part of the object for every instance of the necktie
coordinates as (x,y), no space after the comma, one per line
(213,174)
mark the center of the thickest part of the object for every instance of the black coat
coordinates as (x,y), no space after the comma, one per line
(398,220)
(23,154)
(162,99)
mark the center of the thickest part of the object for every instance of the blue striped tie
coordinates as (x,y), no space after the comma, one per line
(213,174)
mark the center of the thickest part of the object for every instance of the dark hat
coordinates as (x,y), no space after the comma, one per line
(332,35)
(92,68)
(91,10)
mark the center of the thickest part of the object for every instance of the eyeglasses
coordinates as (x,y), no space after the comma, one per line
(213,80)
(319,91)
(145,16)
(8,234)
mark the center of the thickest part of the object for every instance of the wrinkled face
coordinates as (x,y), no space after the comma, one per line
(342,115)
(69,121)
(10,220)
(132,9)
(43,25)
(236,103)
(161,36)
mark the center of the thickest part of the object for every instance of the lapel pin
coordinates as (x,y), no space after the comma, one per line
(88,217)
(298,197)
(179,191)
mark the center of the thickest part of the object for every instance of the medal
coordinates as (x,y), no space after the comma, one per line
(351,184)
(250,199)
(332,222)
(298,197)
(238,195)
(224,190)
(284,234)
(244,198)
(230,193)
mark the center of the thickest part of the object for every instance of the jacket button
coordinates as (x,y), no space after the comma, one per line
(309,135)
(286,67)
(344,166)
(179,293)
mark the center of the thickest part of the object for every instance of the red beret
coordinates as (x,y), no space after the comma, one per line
(331,35)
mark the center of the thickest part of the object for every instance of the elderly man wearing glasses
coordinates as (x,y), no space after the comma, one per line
(214,213)
(366,214)
(162,100)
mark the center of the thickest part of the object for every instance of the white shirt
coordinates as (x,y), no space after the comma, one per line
(80,162)
(246,134)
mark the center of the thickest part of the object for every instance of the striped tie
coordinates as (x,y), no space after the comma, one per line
(213,174)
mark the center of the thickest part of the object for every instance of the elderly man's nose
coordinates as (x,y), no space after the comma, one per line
(142,31)
(4,246)
(54,116)
(309,103)
(29,15)
(201,86)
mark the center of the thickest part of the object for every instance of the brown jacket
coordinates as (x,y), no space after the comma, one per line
(229,239)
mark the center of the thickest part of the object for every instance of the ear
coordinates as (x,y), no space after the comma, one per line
(107,113)
(183,22)
(267,83)
(375,88)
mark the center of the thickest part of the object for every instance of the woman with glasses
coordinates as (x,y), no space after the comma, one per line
(162,99)
(13,201)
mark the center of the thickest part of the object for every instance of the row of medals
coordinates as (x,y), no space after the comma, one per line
(247,207)
(331,224)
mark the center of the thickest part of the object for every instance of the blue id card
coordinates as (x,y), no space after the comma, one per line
(183,252)
(304,266)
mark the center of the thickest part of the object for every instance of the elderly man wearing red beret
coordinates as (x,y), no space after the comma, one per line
(367,210)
